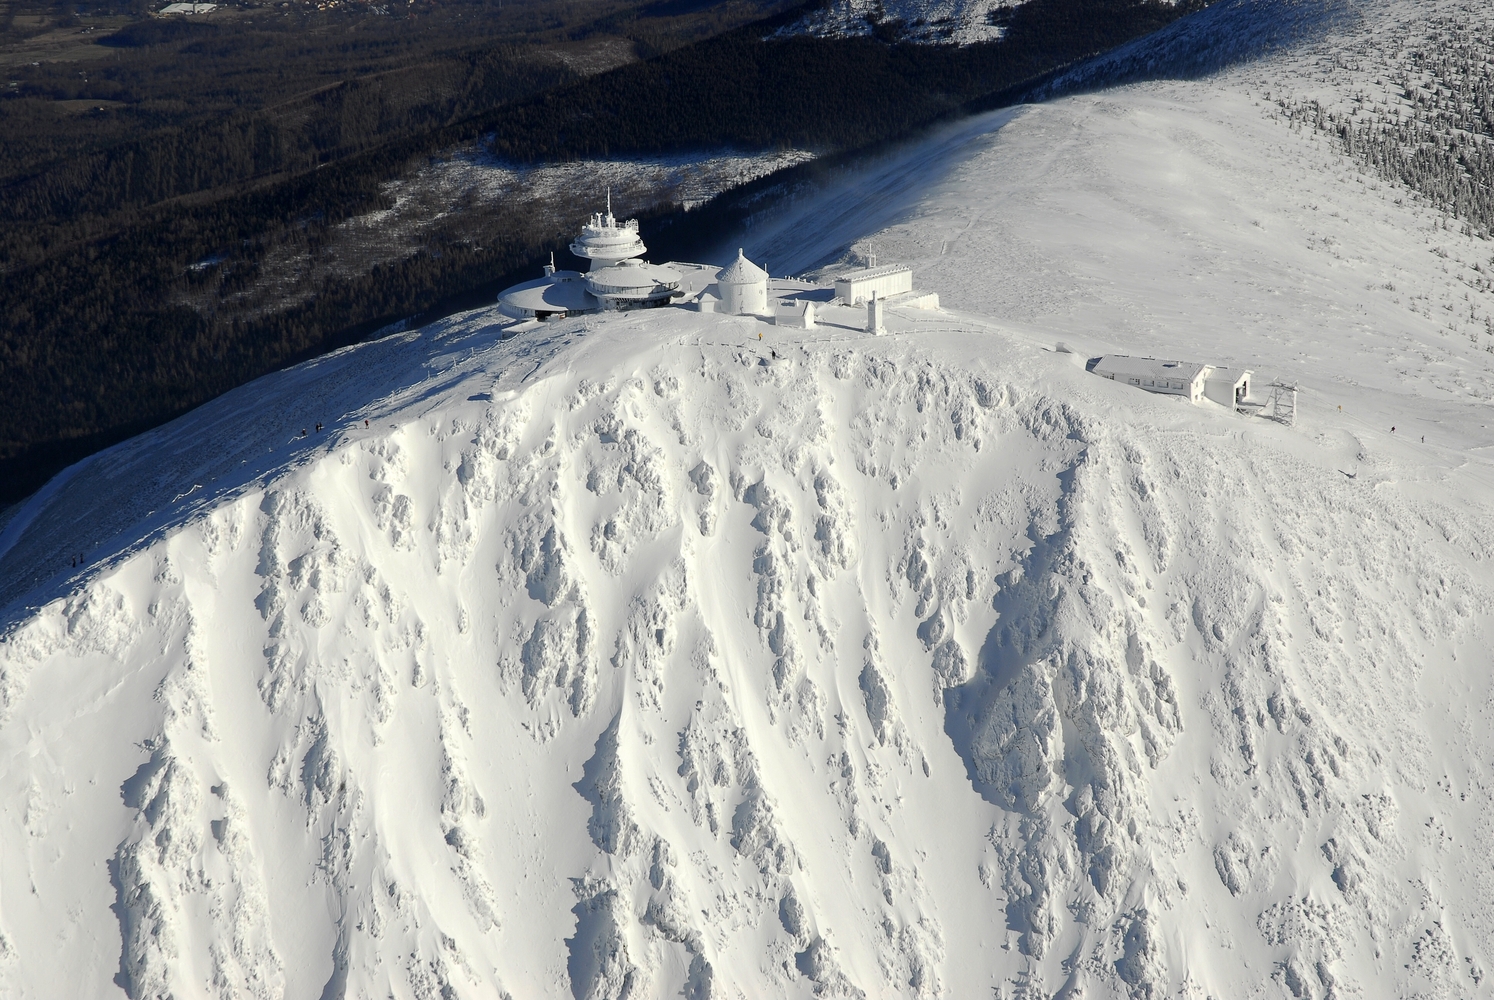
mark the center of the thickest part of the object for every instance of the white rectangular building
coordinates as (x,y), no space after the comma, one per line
(794,312)
(1228,386)
(1177,378)
(855,287)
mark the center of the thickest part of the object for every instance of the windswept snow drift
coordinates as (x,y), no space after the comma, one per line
(637,656)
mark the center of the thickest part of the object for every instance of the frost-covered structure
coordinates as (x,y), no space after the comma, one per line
(616,279)
(863,284)
(743,287)
(1191,380)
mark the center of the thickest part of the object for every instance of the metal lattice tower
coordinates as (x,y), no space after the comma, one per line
(1284,403)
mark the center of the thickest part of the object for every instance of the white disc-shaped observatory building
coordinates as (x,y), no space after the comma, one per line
(616,279)
(632,283)
(604,241)
(554,296)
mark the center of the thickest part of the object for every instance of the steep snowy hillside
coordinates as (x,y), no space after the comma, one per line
(630,659)
(960,22)
(641,655)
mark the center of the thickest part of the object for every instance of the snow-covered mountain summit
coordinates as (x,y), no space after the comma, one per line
(640,656)
(633,659)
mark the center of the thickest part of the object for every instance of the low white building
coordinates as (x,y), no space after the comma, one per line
(856,287)
(1177,378)
(743,287)
(794,312)
(554,296)
(1226,386)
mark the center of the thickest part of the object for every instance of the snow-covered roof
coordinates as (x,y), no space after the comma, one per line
(868,273)
(564,291)
(1234,376)
(741,271)
(632,279)
(1125,366)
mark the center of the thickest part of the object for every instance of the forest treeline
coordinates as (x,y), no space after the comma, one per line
(167,108)
(126,260)
(1435,133)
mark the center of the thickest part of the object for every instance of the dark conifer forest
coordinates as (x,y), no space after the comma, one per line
(1428,126)
(168,184)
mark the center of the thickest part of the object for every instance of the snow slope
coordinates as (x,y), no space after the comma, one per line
(637,656)
(958,22)
(1191,219)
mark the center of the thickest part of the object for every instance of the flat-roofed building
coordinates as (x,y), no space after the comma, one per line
(1229,386)
(1177,378)
(856,287)
(554,296)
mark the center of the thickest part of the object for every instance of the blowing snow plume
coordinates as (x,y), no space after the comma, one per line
(633,662)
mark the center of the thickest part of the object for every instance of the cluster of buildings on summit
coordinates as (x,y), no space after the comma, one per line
(616,279)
